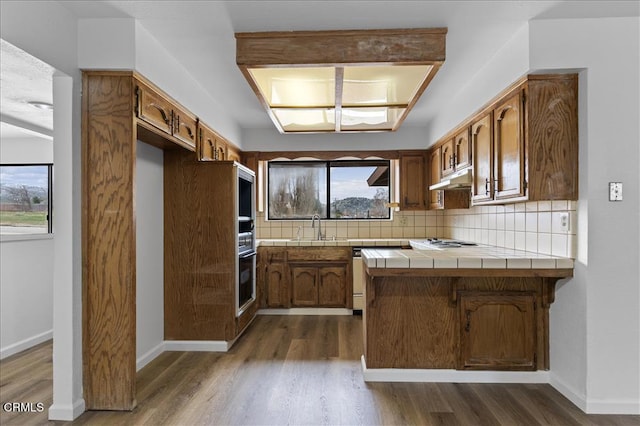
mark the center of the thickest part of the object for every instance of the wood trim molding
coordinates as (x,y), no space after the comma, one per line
(320,155)
(422,45)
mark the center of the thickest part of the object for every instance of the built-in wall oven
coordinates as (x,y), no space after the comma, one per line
(246,278)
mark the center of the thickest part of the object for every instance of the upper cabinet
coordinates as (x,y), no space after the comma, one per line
(164,114)
(533,153)
(509,167)
(522,146)
(412,180)
(455,153)
(482,148)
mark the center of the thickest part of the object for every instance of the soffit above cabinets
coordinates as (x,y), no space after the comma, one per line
(340,81)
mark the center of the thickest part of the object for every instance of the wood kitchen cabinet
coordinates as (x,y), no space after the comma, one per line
(319,286)
(444,199)
(455,153)
(165,115)
(305,277)
(497,331)
(522,145)
(530,152)
(498,152)
(304,291)
(482,146)
(413,189)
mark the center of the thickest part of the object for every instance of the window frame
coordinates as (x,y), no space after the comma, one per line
(49,229)
(328,165)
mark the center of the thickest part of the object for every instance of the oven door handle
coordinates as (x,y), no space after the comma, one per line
(247,254)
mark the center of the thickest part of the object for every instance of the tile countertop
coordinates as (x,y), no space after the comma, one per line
(475,257)
(355,242)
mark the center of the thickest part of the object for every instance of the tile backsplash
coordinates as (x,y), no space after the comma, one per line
(405,224)
(531,226)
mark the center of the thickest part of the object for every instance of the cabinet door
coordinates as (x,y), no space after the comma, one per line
(332,290)
(482,152)
(184,127)
(497,331)
(462,150)
(276,286)
(509,148)
(232,154)
(412,182)
(435,161)
(304,286)
(206,144)
(154,109)
(447,162)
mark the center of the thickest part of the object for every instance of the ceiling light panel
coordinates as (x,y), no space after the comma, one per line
(340,81)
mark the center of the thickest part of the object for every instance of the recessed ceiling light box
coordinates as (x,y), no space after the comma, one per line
(340,81)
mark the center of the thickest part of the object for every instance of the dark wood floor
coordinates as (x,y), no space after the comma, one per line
(297,370)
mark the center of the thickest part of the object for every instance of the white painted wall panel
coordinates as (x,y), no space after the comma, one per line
(149,252)
(599,308)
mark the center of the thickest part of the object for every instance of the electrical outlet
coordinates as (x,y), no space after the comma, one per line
(615,191)
(403,221)
(564,222)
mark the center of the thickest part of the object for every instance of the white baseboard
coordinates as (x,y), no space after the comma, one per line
(25,344)
(450,376)
(595,406)
(612,406)
(306,311)
(64,412)
(578,399)
(197,345)
(150,356)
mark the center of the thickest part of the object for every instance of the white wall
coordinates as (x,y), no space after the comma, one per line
(48,31)
(605,293)
(124,44)
(271,140)
(26,150)
(149,253)
(26,307)
(26,294)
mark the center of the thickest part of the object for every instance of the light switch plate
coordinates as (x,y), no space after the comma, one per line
(615,191)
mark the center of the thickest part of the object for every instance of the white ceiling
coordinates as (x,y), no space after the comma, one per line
(201,34)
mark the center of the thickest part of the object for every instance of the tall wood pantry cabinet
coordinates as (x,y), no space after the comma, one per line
(120,108)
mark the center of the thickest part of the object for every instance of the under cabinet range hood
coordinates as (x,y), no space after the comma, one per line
(457,180)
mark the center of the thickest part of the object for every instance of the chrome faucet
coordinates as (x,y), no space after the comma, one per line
(313,221)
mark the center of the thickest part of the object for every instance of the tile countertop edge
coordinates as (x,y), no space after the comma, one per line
(455,258)
(354,242)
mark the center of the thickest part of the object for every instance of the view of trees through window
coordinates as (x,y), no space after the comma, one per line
(332,190)
(24,199)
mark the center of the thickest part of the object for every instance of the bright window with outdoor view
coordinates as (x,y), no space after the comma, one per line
(330,189)
(25,199)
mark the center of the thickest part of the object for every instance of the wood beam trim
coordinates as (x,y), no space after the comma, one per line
(426,46)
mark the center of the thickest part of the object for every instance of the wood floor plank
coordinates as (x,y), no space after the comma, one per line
(298,370)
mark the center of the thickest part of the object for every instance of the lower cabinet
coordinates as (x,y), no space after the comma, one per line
(319,286)
(497,331)
(277,286)
(304,277)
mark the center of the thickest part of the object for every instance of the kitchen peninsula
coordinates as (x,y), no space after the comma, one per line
(465,308)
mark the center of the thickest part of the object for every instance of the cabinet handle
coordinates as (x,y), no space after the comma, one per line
(486,186)
(495,186)
(451,161)
(164,114)
(468,326)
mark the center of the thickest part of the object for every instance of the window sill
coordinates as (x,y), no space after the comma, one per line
(5,238)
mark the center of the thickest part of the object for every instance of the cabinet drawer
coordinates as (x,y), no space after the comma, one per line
(319,254)
(154,109)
